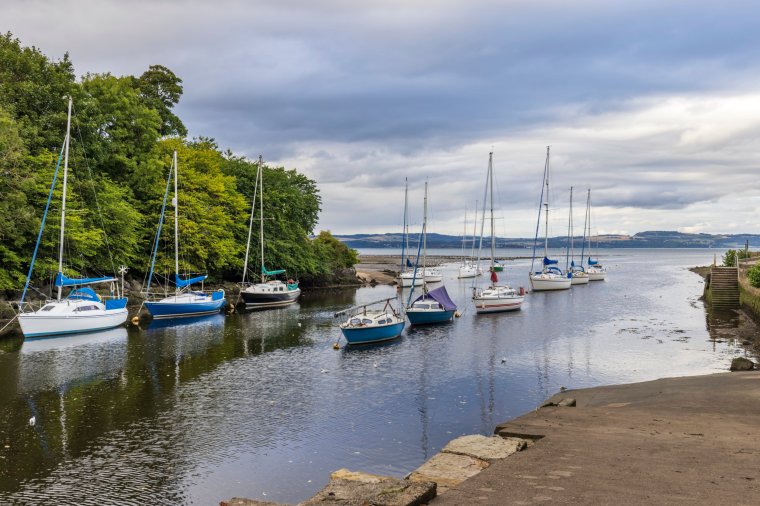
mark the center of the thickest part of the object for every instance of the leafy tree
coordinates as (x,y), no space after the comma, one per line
(332,253)
(753,274)
(161,90)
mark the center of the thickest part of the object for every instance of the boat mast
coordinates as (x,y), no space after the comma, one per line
(175,202)
(570,254)
(493,235)
(261,216)
(250,223)
(474,232)
(464,235)
(424,239)
(404,228)
(546,204)
(63,204)
(585,226)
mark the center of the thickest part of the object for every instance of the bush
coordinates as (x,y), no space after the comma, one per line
(729,259)
(753,274)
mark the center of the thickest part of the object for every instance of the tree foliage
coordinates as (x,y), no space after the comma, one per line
(124,131)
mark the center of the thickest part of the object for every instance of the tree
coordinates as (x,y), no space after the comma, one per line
(161,89)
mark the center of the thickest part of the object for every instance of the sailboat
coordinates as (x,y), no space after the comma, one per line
(577,275)
(433,306)
(267,293)
(185,301)
(366,326)
(496,298)
(550,277)
(596,271)
(82,310)
(469,268)
(406,277)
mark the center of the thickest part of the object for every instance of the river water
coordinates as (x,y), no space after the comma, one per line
(260,405)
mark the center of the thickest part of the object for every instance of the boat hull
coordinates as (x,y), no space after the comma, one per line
(407,282)
(428,316)
(497,304)
(580,280)
(373,334)
(38,325)
(181,307)
(597,276)
(539,284)
(264,300)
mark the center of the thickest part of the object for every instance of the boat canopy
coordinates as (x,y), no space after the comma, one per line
(409,263)
(441,296)
(591,261)
(265,272)
(547,261)
(85,293)
(61,280)
(181,283)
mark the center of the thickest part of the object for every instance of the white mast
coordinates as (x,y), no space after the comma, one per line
(493,235)
(175,203)
(63,204)
(250,223)
(546,229)
(261,217)
(570,230)
(424,240)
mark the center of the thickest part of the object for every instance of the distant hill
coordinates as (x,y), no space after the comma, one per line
(654,239)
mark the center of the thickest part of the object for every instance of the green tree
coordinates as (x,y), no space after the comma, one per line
(161,90)
(753,274)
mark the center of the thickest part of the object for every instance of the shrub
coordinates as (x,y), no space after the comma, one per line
(753,274)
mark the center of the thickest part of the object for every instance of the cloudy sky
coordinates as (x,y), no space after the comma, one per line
(653,104)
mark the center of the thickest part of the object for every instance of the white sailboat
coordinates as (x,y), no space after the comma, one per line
(550,277)
(469,268)
(267,293)
(578,275)
(496,298)
(82,310)
(184,301)
(407,277)
(595,270)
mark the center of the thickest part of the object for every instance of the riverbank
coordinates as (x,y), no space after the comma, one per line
(693,440)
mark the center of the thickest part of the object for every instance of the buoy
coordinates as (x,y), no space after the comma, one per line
(457,314)
(135,320)
(336,346)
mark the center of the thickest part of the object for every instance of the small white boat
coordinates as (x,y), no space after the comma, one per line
(579,278)
(433,275)
(596,272)
(408,279)
(495,298)
(469,270)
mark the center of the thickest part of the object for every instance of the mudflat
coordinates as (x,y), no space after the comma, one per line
(689,440)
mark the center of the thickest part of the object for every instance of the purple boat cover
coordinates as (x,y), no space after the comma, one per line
(441,296)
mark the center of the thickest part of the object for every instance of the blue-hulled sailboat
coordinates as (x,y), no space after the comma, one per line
(433,306)
(185,301)
(366,326)
(83,310)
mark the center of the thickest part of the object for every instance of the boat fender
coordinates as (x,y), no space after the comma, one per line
(522,290)
(290,281)
(336,346)
(135,320)
(457,314)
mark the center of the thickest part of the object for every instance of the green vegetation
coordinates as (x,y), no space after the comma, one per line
(753,274)
(729,258)
(123,134)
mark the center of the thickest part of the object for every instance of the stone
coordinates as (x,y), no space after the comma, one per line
(567,402)
(349,488)
(547,404)
(241,501)
(448,470)
(742,364)
(485,447)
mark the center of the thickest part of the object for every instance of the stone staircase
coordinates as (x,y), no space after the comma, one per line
(724,287)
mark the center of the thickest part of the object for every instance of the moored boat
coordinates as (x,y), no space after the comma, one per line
(366,326)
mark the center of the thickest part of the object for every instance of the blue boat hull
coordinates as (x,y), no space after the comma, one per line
(428,317)
(373,334)
(184,309)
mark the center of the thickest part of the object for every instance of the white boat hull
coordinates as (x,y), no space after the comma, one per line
(469,271)
(497,304)
(541,282)
(406,281)
(38,325)
(599,276)
(580,279)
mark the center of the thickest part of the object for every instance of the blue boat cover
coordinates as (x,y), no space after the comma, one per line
(265,272)
(61,280)
(409,263)
(441,296)
(181,283)
(84,294)
(591,261)
(549,262)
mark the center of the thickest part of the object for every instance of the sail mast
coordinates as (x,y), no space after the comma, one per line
(250,223)
(261,216)
(493,235)
(63,204)
(570,252)
(546,228)
(424,239)
(175,201)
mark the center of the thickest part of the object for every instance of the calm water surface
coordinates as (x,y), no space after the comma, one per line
(260,405)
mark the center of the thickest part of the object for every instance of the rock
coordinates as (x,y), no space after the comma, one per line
(567,402)
(354,488)
(241,501)
(547,404)
(485,447)
(742,364)
(448,470)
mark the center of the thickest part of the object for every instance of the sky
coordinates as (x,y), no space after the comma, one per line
(654,105)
